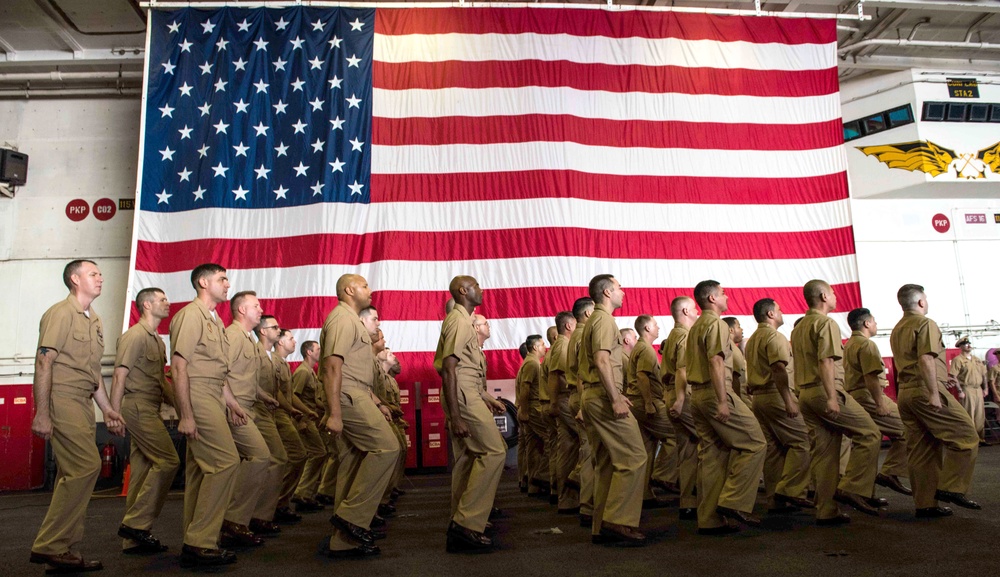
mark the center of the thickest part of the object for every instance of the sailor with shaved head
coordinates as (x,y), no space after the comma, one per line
(348,367)
(478,448)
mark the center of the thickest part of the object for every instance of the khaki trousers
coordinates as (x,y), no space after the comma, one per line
(368,454)
(619,461)
(827,434)
(478,462)
(212,462)
(585,465)
(687,450)
(296,456)
(891,426)
(786,465)
(78,464)
(315,457)
(730,456)
(567,454)
(404,448)
(394,479)
(656,428)
(522,450)
(328,478)
(153,460)
(536,432)
(943,446)
(277,463)
(975,406)
(255,458)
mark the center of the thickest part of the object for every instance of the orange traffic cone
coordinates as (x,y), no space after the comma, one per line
(125,479)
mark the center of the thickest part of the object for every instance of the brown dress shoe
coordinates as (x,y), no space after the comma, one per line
(68,561)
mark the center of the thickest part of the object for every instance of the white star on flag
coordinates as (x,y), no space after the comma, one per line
(261,86)
(220,85)
(355,144)
(185,175)
(337,124)
(281,24)
(300,127)
(354,102)
(335,43)
(240,64)
(297,43)
(219,170)
(318,25)
(241,193)
(243,26)
(337,165)
(301,169)
(185,89)
(355,188)
(221,44)
(317,104)
(203,151)
(353,61)
(163,197)
(260,129)
(207,26)
(298,84)
(241,106)
(279,64)
(200,193)
(280,192)
(240,149)
(262,172)
(260,44)
(174,27)
(186,46)
(206,68)
(167,111)
(168,68)
(317,188)
(204,108)
(316,64)
(335,82)
(318,145)
(357,24)
(281,149)
(280,107)
(185,132)
(167,154)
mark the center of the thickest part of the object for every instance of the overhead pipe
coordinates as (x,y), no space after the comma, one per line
(33,92)
(906,43)
(60,76)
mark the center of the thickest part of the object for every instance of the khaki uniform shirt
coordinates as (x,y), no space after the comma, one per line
(142,352)
(200,339)
(994,374)
(915,335)
(282,378)
(266,377)
(243,365)
(674,351)
(643,360)
(817,337)
(529,379)
(306,387)
(459,339)
(79,342)
(601,334)
(573,356)
(708,337)
(343,335)
(970,372)
(543,380)
(556,360)
(739,368)
(862,357)
(765,347)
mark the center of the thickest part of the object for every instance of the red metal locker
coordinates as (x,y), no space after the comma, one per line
(22,453)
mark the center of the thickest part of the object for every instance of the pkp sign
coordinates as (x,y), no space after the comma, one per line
(941,223)
(77,209)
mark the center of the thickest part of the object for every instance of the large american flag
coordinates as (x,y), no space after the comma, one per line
(531,147)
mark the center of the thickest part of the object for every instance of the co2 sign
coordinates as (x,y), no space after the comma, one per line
(941,223)
(104,209)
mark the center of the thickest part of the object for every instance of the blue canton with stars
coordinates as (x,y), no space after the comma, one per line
(258,108)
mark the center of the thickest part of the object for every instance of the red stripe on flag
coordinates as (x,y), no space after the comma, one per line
(597,22)
(604,77)
(603,132)
(708,190)
(544,302)
(350,249)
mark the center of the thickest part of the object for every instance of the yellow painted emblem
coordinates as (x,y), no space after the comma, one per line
(925,156)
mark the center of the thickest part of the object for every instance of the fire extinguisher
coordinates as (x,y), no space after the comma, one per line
(108,454)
